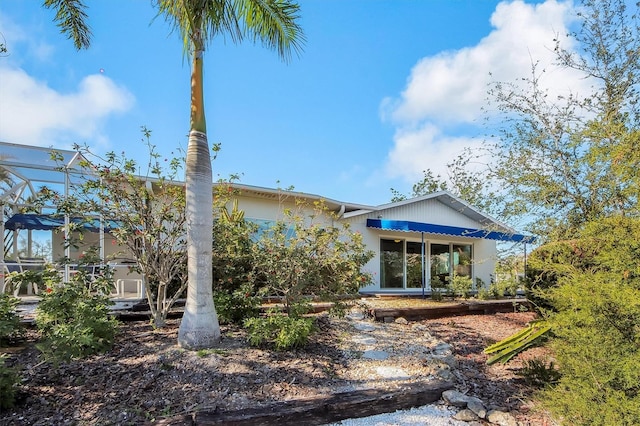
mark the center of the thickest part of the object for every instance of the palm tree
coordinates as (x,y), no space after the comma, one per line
(274,23)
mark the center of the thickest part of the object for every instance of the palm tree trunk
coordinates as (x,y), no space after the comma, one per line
(199,328)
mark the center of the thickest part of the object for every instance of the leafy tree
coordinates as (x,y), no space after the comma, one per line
(274,22)
(150,216)
(571,163)
(569,160)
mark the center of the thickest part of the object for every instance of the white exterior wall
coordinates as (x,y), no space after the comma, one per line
(272,208)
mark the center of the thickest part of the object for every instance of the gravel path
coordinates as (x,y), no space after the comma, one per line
(432,415)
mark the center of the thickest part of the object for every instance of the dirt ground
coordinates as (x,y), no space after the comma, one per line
(146,377)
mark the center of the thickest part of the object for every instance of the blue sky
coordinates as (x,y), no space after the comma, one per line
(383,90)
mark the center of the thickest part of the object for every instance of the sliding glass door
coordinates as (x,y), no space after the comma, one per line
(391,263)
(402,264)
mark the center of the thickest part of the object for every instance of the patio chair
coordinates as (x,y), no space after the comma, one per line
(8,268)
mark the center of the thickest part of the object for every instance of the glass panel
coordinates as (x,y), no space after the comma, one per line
(440,262)
(462,259)
(414,265)
(391,263)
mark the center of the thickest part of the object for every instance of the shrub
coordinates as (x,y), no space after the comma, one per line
(8,383)
(74,317)
(280,331)
(596,328)
(548,263)
(300,257)
(461,285)
(10,327)
(537,372)
(237,305)
(504,287)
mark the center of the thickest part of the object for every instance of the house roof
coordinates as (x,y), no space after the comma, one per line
(444,197)
(492,228)
(271,193)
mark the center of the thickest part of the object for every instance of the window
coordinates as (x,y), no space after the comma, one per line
(391,263)
(401,263)
(414,264)
(440,261)
(462,259)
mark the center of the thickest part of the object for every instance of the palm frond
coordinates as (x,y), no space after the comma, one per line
(72,20)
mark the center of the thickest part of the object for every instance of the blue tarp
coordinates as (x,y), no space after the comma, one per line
(407,226)
(45,222)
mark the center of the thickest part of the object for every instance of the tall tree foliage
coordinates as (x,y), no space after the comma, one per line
(568,160)
(274,23)
(571,163)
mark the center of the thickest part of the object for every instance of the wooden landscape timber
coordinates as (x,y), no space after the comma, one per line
(462,308)
(321,410)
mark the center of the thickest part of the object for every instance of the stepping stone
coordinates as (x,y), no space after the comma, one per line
(356,316)
(364,340)
(377,355)
(363,326)
(392,373)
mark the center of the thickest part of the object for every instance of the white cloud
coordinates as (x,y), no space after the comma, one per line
(417,150)
(450,89)
(33,113)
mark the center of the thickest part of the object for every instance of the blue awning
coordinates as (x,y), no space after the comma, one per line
(407,226)
(45,222)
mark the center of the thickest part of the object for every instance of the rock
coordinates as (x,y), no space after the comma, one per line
(388,319)
(355,316)
(477,406)
(377,355)
(501,418)
(364,340)
(392,373)
(419,327)
(443,372)
(455,398)
(450,360)
(442,348)
(466,415)
(401,320)
(363,326)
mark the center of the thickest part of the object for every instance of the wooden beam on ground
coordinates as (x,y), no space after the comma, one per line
(466,308)
(322,410)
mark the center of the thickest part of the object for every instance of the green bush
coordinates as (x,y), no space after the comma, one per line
(10,327)
(504,287)
(8,382)
(301,256)
(548,263)
(461,285)
(280,331)
(537,372)
(596,328)
(74,317)
(237,305)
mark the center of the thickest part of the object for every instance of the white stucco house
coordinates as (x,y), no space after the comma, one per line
(416,242)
